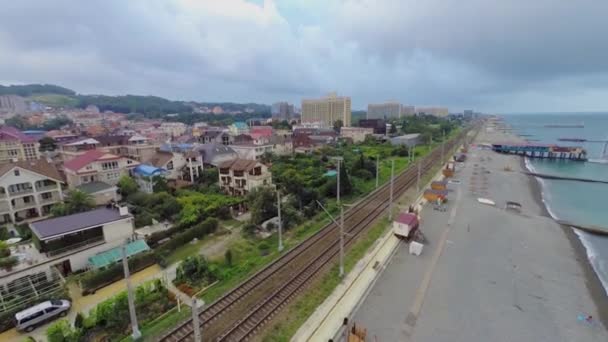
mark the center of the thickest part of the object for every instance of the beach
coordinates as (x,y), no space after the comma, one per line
(487,273)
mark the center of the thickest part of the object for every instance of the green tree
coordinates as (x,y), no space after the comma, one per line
(228,257)
(160,184)
(195,270)
(338,125)
(61,331)
(78,201)
(262,204)
(127,186)
(47,144)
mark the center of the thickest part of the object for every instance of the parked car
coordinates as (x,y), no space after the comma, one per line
(30,318)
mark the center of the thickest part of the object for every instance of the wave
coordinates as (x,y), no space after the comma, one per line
(599,265)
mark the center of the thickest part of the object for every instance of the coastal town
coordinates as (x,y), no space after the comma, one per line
(303,171)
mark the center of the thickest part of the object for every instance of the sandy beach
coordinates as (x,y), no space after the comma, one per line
(487,273)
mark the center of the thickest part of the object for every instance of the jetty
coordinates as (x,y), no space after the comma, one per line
(591,229)
(542,151)
(577,179)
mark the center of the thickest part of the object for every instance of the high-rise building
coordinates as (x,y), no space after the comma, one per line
(282,111)
(327,110)
(388,110)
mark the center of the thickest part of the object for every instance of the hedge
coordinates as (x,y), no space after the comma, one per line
(199,231)
(96,279)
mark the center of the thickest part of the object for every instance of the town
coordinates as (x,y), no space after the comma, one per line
(196,201)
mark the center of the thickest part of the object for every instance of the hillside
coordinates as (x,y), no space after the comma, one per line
(149,106)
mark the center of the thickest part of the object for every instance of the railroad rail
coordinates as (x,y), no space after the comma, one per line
(239,313)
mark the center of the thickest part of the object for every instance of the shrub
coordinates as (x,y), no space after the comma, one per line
(4,234)
(194,271)
(249,229)
(62,331)
(228,257)
(363,174)
(8,263)
(79,321)
(24,231)
(143,219)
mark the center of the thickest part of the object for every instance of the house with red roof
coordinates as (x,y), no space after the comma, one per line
(16,146)
(97,166)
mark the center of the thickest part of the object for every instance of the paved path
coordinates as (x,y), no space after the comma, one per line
(487,274)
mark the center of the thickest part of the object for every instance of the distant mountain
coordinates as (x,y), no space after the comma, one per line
(149,106)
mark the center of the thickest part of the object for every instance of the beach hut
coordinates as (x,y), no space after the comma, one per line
(435,195)
(439,185)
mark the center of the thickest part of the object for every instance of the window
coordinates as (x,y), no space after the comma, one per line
(170,165)
(129,161)
(17,173)
(46,195)
(13,153)
(51,309)
(27,199)
(31,317)
(109,165)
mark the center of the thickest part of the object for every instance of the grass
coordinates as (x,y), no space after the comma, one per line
(55,100)
(299,311)
(152,330)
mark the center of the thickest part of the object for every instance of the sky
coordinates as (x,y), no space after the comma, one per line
(491,56)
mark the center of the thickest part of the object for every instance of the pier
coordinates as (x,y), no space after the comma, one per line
(542,151)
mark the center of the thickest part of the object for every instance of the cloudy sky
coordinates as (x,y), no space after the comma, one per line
(500,56)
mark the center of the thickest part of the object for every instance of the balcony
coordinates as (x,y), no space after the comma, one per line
(24,205)
(4,207)
(54,198)
(70,242)
(49,187)
(20,192)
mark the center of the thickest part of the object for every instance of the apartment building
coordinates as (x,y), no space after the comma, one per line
(282,111)
(327,110)
(14,145)
(97,166)
(240,176)
(173,129)
(389,110)
(28,190)
(255,149)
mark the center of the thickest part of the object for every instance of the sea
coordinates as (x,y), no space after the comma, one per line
(577,202)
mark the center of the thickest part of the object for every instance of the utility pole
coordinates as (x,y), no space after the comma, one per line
(341,241)
(196,327)
(390,203)
(339,159)
(280,221)
(418,179)
(443,147)
(377,169)
(136,334)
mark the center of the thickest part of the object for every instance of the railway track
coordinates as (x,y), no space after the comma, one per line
(239,313)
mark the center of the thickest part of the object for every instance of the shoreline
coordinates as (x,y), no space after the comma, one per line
(592,281)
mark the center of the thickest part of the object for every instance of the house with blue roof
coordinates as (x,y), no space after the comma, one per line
(144,175)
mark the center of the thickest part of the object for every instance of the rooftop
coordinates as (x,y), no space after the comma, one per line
(58,226)
(11,133)
(83,160)
(93,187)
(39,166)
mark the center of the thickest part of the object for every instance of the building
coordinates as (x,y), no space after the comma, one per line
(356,134)
(408,140)
(145,174)
(173,129)
(441,112)
(240,176)
(238,128)
(102,193)
(14,145)
(467,114)
(181,161)
(28,190)
(282,111)
(214,135)
(71,149)
(133,146)
(384,110)
(216,154)
(378,125)
(327,110)
(74,243)
(97,166)
(255,149)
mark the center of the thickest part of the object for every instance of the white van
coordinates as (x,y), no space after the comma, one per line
(30,318)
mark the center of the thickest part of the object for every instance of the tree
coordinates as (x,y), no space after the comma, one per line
(127,186)
(393,129)
(262,204)
(61,331)
(228,257)
(338,125)
(47,144)
(195,270)
(76,201)
(160,184)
